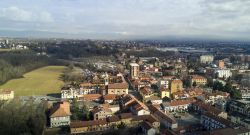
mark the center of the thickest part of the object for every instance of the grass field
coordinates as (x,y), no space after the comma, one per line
(42,81)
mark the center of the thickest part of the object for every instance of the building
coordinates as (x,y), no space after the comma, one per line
(60,115)
(240,106)
(163,83)
(164,93)
(177,105)
(166,120)
(176,85)
(223,73)
(206,59)
(69,92)
(221,64)
(201,108)
(227,131)
(210,122)
(147,128)
(134,70)
(145,92)
(101,113)
(6,94)
(109,98)
(118,88)
(198,80)
(88,126)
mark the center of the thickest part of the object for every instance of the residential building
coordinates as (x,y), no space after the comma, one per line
(177,105)
(198,80)
(109,98)
(69,92)
(101,113)
(89,126)
(240,106)
(118,88)
(176,85)
(221,64)
(166,120)
(164,93)
(60,115)
(6,94)
(223,73)
(210,121)
(134,70)
(206,59)
(147,128)
(163,83)
(145,92)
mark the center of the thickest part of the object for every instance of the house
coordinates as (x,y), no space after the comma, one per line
(210,121)
(164,92)
(163,83)
(69,92)
(60,115)
(148,118)
(166,120)
(227,131)
(177,105)
(240,106)
(134,105)
(109,98)
(118,88)
(206,59)
(145,92)
(223,73)
(215,97)
(176,85)
(147,128)
(197,80)
(154,100)
(90,97)
(201,107)
(88,126)
(101,113)
(6,94)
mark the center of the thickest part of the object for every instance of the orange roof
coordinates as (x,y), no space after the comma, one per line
(61,110)
(176,81)
(78,124)
(197,77)
(118,86)
(109,97)
(92,96)
(145,90)
(179,102)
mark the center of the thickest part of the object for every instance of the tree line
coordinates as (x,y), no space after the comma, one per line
(22,118)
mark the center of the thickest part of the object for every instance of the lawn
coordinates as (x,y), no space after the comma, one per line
(42,81)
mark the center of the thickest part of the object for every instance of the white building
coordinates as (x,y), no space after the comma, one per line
(211,122)
(69,93)
(134,70)
(223,73)
(163,83)
(206,59)
(6,95)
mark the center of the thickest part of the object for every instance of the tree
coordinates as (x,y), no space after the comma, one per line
(194,84)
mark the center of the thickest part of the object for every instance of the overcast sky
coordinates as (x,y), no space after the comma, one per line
(225,19)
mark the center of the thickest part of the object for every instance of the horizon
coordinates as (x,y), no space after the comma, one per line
(126,20)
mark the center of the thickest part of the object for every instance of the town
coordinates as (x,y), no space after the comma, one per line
(143,87)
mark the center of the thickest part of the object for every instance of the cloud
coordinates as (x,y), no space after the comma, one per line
(14,13)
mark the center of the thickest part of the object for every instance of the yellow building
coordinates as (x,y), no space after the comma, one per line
(164,92)
(199,80)
(176,85)
(118,88)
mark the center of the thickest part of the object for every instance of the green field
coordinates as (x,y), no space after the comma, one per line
(42,81)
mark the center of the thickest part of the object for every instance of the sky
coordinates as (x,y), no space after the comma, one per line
(125,19)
